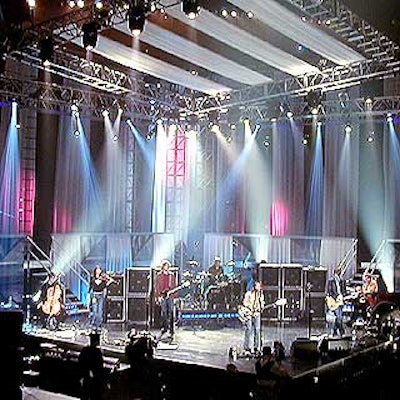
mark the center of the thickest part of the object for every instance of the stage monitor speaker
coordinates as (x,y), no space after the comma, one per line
(137,309)
(292,275)
(117,288)
(305,349)
(269,274)
(115,309)
(138,279)
(316,277)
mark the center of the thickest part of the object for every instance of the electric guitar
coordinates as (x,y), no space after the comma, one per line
(333,304)
(165,294)
(245,314)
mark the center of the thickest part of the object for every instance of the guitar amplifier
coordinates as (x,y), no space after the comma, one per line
(116,288)
(138,279)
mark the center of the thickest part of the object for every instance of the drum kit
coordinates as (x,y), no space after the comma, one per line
(223,292)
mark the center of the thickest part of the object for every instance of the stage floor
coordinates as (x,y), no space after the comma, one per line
(193,344)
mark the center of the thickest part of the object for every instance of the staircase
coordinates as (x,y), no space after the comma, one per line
(38,266)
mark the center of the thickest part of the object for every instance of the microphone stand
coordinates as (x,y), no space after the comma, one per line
(309,310)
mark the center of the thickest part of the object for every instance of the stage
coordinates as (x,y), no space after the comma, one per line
(200,354)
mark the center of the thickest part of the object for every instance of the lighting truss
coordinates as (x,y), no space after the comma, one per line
(330,79)
(356,32)
(58,98)
(377,107)
(100,77)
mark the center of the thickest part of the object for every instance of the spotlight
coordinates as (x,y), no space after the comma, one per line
(105,113)
(136,20)
(99,4)
(89,35)
(389,117)
(71,3)
(305,141)
(273,119)
(224,13)
(250,14)
(234,14)
(115,138)
(31,3)
(314,111)
(18,125)
(371,137)
(80,3)
(191,8)
(348,128)
(46,50)
(74,108)
(289,114)
(76,132)
(313,100)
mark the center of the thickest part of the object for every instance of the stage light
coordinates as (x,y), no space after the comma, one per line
(234,14)
(31,3)
(313,100)
(46,50)
(191,8)
(250,14)
(224,13)
(105,113)
(80,3)
(90,35)
(305,141)
(389,117)
(74,108)
(99,4)
(348,128)
(136,20)
(300,47)
(273,119)
(371,137)
(115,138)
(71,3)
(76,132)
(289,114)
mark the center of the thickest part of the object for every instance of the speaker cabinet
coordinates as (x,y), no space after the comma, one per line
(305,349)
(11,339)
(269,274)
(116,288)
(138,280)
(294,306)
(137,309)
(115,309)
(317,305)
(270,296)
(315,278)
(292,275)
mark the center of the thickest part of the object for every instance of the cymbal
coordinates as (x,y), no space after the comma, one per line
(192,262)
(230,263)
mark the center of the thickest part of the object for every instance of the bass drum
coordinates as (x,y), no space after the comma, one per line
(233,295)
(216,298)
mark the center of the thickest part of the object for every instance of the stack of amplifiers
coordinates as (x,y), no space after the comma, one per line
(314,295)
(138,289)
(289,281)
(115,302)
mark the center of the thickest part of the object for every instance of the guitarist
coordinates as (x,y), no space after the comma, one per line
(254,302)
(165,281)
(335,292)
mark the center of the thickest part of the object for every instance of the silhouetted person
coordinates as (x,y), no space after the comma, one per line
(142,383)
(91,365)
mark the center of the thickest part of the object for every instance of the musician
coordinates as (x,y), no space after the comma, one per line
(99,281)
(216,272)
(50,301)
(369,289)
(335,290)
(254,302)
(165,281)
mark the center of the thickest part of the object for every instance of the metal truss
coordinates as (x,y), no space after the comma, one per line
(335,78)
(58,98)
(100,77)
(359,34)
(352,110)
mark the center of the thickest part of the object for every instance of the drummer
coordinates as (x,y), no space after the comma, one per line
(216,272)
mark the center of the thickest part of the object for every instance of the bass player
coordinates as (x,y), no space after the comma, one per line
(165,283)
